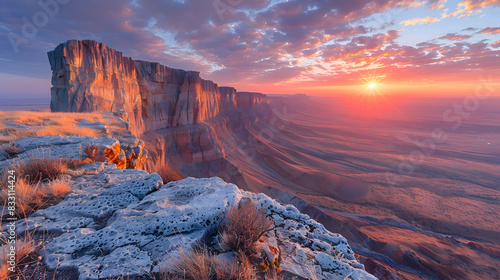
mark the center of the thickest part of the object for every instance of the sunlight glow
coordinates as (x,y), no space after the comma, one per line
(372,85)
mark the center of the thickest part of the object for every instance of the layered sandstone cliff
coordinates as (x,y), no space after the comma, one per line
(88,76)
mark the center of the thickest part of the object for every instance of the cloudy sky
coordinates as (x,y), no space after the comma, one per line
(271,46)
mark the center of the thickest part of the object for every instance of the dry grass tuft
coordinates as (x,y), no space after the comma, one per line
(28,197)
(11,134)
(42,169)
(36,183)
(272,274)
(56,188)
(27,119)
(200,264)
(159,164)
(26,251)
(166,173)
(12,150)
(4,268)
(241,270)
(66,122)
(8,130)
(196,265)
(31,197)
(244,225)
(67,131)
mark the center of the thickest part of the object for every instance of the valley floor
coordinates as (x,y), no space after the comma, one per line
(417,193)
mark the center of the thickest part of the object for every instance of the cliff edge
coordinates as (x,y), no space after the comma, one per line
(88,76)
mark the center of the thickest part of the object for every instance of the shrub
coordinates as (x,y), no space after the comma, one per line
(31,197)
(40,169)
(244,225)
(166,173)
(158,164)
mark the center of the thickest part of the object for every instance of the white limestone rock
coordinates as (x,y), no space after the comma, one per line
(148,226)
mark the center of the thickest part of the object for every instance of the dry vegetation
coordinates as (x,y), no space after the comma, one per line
(200,264)
(45,123)
(26,252)
(37,185)
(166,173)
(41,169)
(37,182)
(159,164)
(244,225)
(10,134)
(67,131)
(11,150)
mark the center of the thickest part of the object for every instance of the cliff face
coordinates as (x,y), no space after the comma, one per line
(174,97)
(87,76)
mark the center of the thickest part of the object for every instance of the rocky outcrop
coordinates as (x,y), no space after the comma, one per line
(128,223)
(87,76)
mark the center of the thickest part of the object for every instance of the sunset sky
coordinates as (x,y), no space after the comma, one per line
(434,47)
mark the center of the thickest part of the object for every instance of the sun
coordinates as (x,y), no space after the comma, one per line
(371,85)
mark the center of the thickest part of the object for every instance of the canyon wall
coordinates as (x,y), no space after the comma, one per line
(88,76)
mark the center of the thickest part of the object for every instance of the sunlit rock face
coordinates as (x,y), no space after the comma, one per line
(87,76)
(174,97)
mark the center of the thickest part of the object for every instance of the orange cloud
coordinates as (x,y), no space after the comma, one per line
(438,5)
(496,44)
(420,21)
(470,7)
